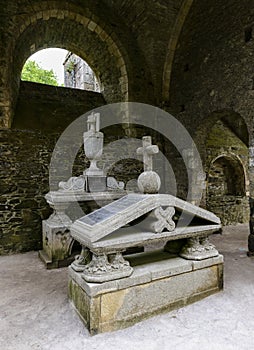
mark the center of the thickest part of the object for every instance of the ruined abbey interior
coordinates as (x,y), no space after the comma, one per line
(193,59)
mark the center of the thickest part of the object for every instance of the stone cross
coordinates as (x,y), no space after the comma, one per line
(93,122)
(148,150)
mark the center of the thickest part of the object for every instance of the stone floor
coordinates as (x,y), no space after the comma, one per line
(35,313)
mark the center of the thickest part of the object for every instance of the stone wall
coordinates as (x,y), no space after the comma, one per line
(51,109)
(25,157)
(41,115)
(78,74)
(212,71)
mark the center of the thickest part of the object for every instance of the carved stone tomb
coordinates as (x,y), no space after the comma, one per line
(112,290)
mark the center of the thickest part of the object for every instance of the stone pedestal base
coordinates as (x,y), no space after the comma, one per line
(57,242)
(165,283)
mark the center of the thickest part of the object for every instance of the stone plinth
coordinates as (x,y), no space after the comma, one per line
(56,240)
(160,282)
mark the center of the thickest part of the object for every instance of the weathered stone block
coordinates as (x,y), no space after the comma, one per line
(56,245)
(118,304)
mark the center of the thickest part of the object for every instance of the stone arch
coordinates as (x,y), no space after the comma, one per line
(233,121)
(50,24)
(223,140)
(74,248)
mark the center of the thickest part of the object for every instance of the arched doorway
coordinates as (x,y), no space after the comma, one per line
(59,67)
(227,170)
(226,190)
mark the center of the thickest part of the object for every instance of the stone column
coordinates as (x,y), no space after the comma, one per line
(196,175)
(251,202)
(82,260)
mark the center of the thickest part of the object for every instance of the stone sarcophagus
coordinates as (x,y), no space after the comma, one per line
(177,257)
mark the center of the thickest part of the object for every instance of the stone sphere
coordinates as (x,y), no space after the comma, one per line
(149,182)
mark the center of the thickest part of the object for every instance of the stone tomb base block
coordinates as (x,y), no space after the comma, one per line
(165,283)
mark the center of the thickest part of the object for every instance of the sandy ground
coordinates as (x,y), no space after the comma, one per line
(35,312)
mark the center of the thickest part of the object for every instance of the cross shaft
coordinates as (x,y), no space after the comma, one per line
(147,150)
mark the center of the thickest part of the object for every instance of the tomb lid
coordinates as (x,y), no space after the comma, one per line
(102,222)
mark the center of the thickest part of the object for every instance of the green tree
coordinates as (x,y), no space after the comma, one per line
(33,72)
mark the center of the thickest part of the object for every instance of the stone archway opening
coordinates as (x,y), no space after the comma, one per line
(226,195)
(89,38)
(227,174)
(226,177)
(50,107)
(62,68)
(45,67)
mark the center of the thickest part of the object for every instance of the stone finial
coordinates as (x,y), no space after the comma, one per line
(149,180)
(148,150)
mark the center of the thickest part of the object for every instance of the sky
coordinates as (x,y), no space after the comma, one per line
(51,59)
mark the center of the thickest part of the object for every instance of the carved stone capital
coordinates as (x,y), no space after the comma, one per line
(81,260)
(59,218)
(104,268)
(118,262)
(198,248)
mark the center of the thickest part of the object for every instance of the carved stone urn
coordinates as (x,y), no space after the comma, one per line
(93,146)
